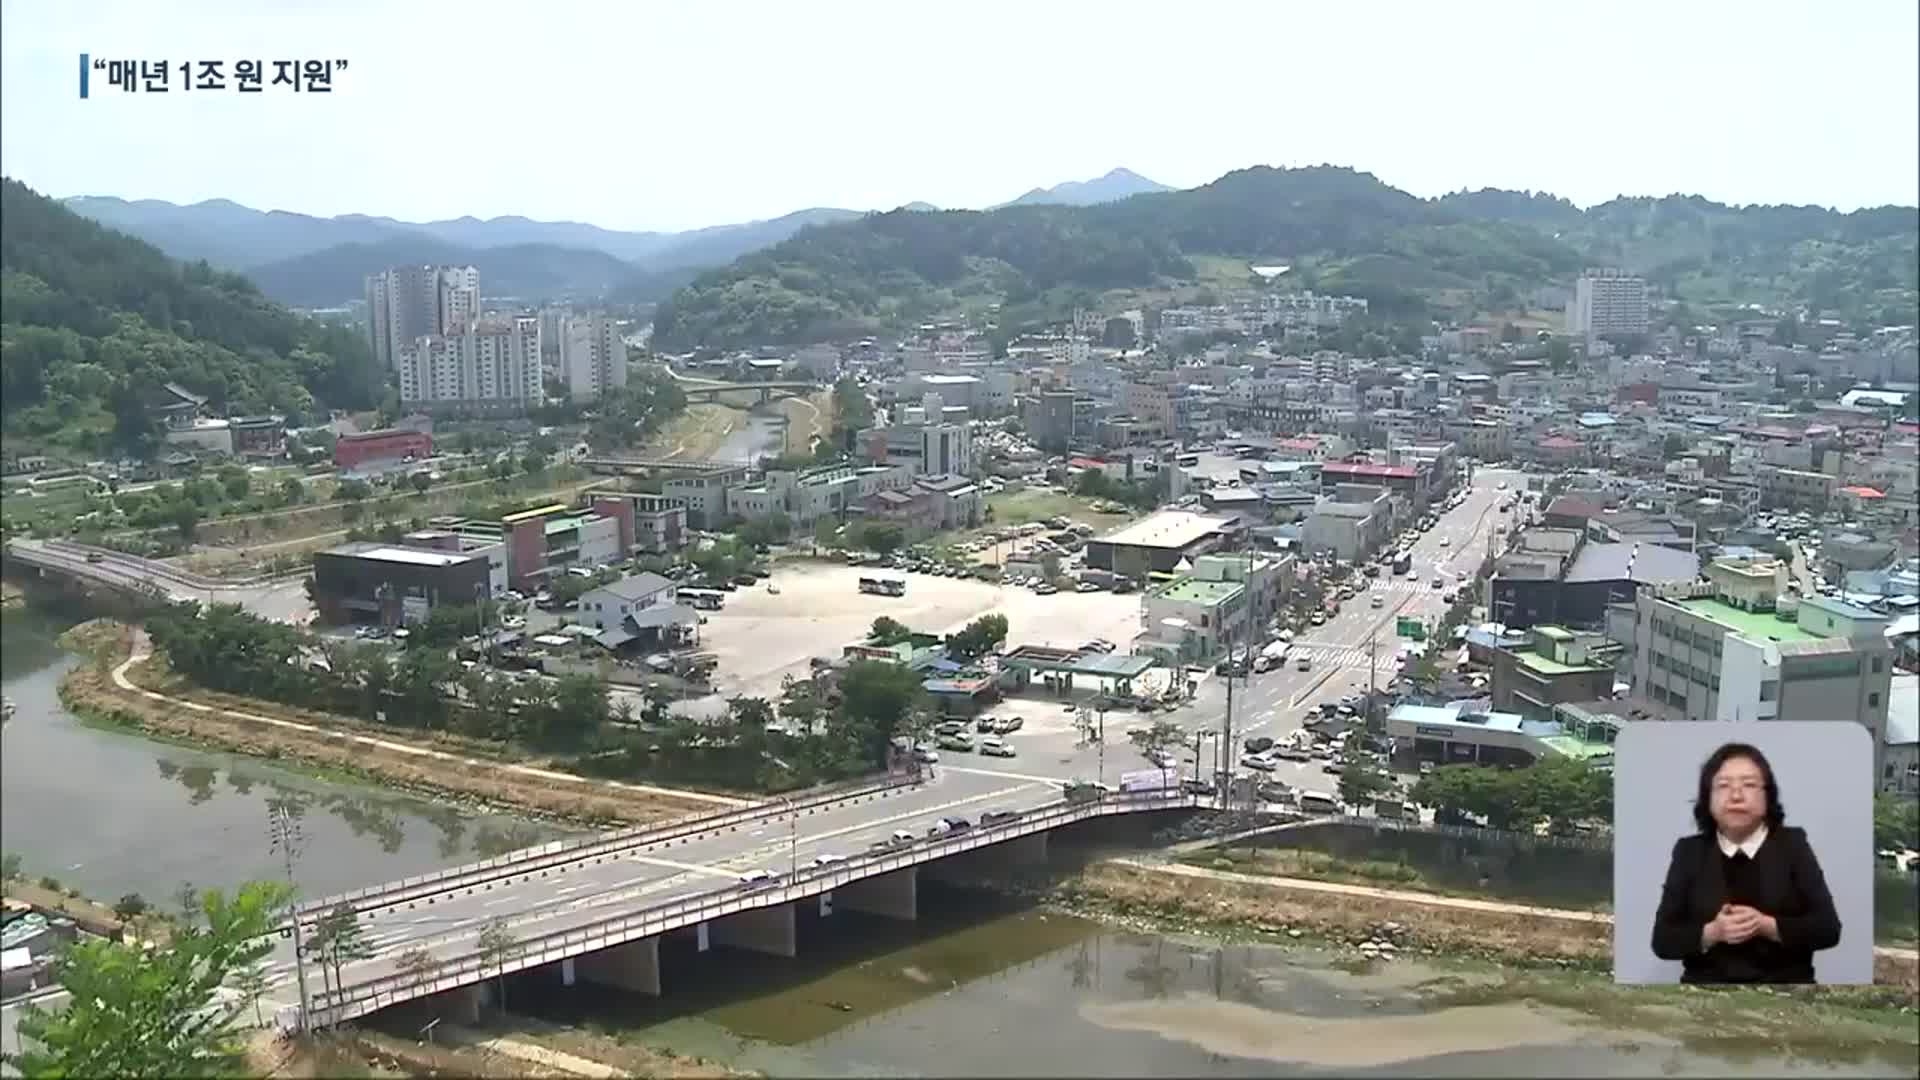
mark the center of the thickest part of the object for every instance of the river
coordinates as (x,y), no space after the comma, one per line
(111,813)
(761,436)
(982,986)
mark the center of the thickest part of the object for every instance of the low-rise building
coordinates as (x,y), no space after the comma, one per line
(1556,666)
(1157,543)
(1348,529)
(639,609)
(1192,619)
(388,584)
(387,444)
(704,493)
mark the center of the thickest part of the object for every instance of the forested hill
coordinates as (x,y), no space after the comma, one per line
(95,322)
(1340,230)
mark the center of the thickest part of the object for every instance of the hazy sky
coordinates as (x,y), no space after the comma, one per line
(673,115)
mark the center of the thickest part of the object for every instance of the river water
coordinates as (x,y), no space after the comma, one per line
(981,986)
(110,813)
(761,436)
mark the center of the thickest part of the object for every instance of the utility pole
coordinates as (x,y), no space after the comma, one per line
(285,836)
(793,841)
(1100,743)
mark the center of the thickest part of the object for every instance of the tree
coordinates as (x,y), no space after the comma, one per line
(1673,446)
(1361,779)
(533,463)
(417,964)
(765,530)
(234,481)
(9,866)
(250,983)
(1896,822)
(185,518)
(292,491)
(353,490)
(338,938)
(826,532)
(130,907)
(878,700)
(497,945)
(980,637)
(141,1012)
(421,481)
(882,537)
(888,631)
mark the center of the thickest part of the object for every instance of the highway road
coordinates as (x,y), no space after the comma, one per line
(581,894)
(282,600)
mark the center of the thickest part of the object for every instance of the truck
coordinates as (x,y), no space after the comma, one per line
(1273,656)
(1150,780)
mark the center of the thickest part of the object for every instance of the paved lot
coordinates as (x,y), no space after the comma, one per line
(760,637)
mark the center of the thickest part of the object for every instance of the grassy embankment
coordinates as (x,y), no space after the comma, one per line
(1255,904)
(480,774)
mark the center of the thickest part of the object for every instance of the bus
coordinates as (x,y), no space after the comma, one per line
(1403,562)
(703,599)
(1187,460)
(883,586)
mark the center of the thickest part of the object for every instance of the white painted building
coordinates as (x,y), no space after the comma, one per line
(1607,302)
(593,356)
(492,367)
(406,303)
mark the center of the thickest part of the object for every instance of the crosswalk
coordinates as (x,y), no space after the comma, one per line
(1342,656)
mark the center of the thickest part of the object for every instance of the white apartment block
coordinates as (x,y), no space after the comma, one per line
(493,367)
(1608,302)
(406,303)
(593,356)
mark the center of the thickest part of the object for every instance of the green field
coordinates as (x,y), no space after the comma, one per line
(1020,507)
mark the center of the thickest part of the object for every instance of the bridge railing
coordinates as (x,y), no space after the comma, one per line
(561,852)
(332,1006)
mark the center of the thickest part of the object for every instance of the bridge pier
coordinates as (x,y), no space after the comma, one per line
(460,1005)
(633,966)
(894,895)
(767,930)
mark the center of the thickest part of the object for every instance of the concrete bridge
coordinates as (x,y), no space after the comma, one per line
(737,878)
(767,391)
(148,579)
(625,466)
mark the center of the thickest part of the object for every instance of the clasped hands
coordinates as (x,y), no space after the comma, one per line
(1736,923)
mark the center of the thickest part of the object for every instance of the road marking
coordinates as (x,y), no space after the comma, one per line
(1004,775)
(1002,793)
(686,868)
(499,901)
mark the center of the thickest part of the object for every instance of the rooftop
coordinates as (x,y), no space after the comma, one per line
(1401,472)
(1646,563)
(528,515)
(1168,529)
(636,586)
(1759,625)
(1547,665)
(408,556)
(1190,590)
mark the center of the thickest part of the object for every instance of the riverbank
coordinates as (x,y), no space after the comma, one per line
(1352,917)
(518,1050)
(117,687)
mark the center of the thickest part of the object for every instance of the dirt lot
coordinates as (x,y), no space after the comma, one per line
(760,637)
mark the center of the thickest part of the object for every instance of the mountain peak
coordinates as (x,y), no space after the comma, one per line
(1118,183)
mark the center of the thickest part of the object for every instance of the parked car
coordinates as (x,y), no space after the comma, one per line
(1259,762)
(998,817)
(963,743)
(1259,744)
(994,746)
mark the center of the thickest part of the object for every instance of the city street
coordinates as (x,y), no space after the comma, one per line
(1277,702)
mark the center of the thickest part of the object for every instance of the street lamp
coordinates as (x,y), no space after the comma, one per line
(284,835)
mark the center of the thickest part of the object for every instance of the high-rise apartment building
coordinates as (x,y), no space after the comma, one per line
(406,303)
(593,356)
(1608,302)
(492,367)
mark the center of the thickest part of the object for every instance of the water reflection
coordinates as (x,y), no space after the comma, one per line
(368,816)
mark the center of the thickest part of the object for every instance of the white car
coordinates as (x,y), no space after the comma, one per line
(1258,762)
(995,747)
(754,879)
(1444,542)
(828,859)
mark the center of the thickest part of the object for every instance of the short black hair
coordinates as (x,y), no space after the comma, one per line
(1703,801)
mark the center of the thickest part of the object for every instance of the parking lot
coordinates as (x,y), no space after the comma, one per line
(761,636)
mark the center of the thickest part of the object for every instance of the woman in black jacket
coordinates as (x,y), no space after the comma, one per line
(1744,900)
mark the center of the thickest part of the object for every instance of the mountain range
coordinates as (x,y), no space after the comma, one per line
(1343,232)
(309,261)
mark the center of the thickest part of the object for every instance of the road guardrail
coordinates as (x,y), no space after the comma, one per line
(562,852)
(333,1006)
